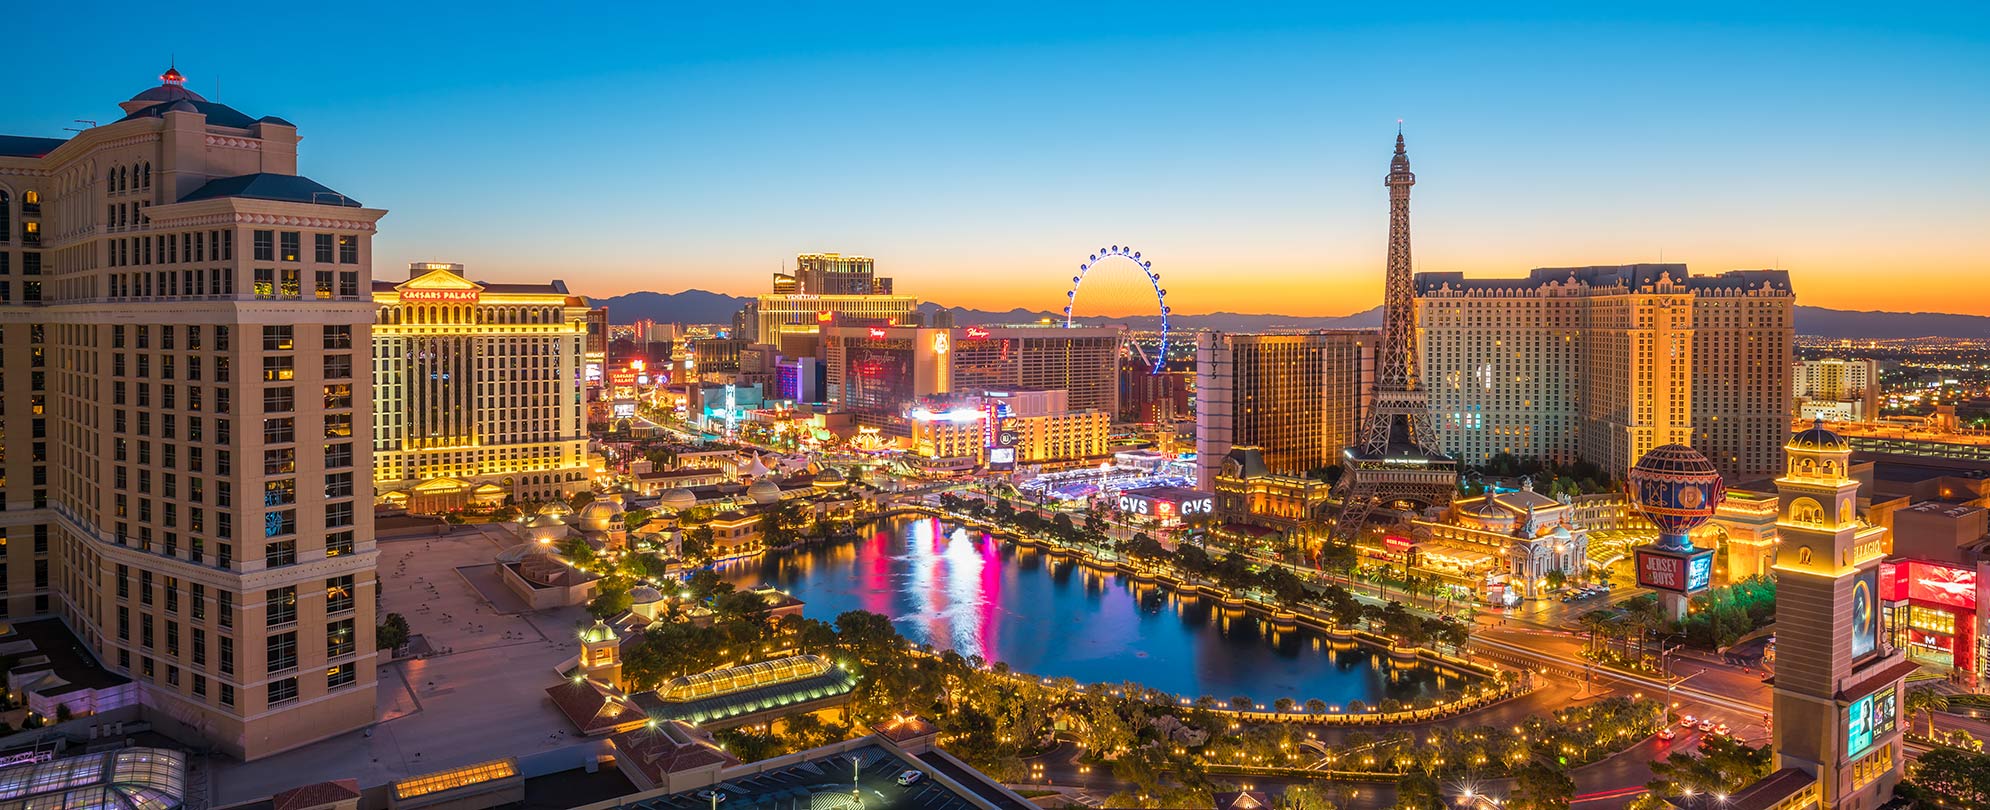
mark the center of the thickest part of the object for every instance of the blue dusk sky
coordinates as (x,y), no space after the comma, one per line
(980,151)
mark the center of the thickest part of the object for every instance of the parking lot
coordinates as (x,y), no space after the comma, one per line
(821,784)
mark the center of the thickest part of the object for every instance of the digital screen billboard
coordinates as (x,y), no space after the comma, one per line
(1870,718)
(1940,584)
(1674,571)
(1865,613)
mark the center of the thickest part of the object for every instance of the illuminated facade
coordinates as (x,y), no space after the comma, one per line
(1836,390)
(827,289)
(1297,398)
(183,322)
(877,370)
(477,393)
(1002,428)
(1606,363)
(1839,691)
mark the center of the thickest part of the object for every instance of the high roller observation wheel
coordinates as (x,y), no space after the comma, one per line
(1146,266)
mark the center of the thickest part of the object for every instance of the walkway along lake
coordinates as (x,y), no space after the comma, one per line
(959,589)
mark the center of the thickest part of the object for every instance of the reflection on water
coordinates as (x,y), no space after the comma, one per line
(962,590)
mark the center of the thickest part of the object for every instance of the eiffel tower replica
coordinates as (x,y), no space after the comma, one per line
(1396,467)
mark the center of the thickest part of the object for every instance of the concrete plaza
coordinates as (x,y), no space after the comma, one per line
(478,695)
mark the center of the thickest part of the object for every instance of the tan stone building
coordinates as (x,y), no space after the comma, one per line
(477,394)
(183,325)
(1297,398)
(1605,363)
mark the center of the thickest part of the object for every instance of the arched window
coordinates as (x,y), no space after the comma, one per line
(1806,510)
(6,221)
(110,179)
(147,174)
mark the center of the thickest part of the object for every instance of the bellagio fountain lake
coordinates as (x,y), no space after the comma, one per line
(959,589)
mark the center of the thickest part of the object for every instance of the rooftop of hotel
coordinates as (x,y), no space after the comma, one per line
(875,770)
(1598,277)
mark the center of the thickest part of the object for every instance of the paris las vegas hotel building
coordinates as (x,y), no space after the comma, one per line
(184,327)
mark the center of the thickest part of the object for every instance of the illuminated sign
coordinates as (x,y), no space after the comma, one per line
(440,296)
(977,333)
(1870,718)
(622,378)
(1396,543)
(877,332)
(1001,456)
(823,316)
(1134,503)
(939,343)
(930,415)
(1678,572)
(1939,584)
(1865,613)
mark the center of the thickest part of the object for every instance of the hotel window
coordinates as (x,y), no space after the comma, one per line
(338,366)
(291,240)
(280,523)
(282,605)
(279,399)
(278,368)
(338,425)
(323,288)
(348,250)
(322,247)
(338,543)
(265,242)
(338,337)
(339,594)
(341,675)
(280,553)
(292,285)
(348,284)
(280,653)
(265,282)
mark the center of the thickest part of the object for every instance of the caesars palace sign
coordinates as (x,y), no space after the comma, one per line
(418,296)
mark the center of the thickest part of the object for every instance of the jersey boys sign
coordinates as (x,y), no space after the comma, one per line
(1678,572)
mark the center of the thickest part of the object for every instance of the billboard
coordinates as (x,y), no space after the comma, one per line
(1940,584)
(1678,572)
(1869,718)
(1865,613)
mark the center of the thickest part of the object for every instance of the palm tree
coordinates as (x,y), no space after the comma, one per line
(1926,699)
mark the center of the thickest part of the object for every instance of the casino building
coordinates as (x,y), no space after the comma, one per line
(183,324)
(477,390)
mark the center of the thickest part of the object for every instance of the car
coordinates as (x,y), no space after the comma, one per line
(712,796)
(1686,721)
(909,777)
(1667,734)
(1721,729)
(1706,725)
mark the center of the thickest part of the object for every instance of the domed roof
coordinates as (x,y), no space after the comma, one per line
(678,498)
(1816,437)
(645,595)
(543,520)
(1675,459)
(764,491)
(600,508)
(172,87)
(556,508)
(830,475)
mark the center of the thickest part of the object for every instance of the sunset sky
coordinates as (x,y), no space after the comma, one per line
(980,151)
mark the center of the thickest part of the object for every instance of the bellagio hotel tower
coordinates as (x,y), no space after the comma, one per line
(184,338)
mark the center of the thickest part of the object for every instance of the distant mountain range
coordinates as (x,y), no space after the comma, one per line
(700,306)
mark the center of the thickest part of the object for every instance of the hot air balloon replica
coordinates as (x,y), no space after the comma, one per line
(1677,489)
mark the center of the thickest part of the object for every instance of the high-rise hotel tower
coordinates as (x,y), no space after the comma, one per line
(1605,363)
(183,326)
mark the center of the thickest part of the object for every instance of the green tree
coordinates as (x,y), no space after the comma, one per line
(1948,777)
(1418,791)
(1722,766)
(1925,700)
(1540,786)
(1305,797)
(392,632)
(611,597)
